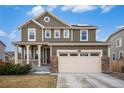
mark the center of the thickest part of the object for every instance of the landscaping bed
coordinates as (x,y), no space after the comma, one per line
(28,81)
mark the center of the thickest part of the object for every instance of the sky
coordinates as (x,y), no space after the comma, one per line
(108,19)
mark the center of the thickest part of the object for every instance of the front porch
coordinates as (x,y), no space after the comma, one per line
(34,54)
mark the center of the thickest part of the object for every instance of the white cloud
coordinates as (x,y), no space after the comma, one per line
(78,8)
(119,27)
(51,7)
(12,35)
(97,31)
(38,9)
(106,8)
(35,10)
(2,33)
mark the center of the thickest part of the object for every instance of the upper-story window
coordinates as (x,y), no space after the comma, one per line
(66,34)
(56,33)
(120,54)
(47,33)
(83,35)
(113,56)
(31,34)
(118,42)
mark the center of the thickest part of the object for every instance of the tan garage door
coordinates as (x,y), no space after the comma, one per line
(79,62)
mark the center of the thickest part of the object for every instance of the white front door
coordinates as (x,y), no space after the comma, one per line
(79,62)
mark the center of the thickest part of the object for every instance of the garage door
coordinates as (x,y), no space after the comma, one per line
(85,61)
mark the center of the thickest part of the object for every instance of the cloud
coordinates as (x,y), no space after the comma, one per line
(12,35)
(3,33)
(51,7)
(38,9)
(106,8)
(35,10)
(78,8)
(119,27)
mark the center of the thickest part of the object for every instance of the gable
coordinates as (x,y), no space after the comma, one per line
(53,22)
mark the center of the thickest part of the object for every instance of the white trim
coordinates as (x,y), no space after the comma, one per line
(49,31)
(56,31)
(42,35)
(76,50)
(81,35)
(77,44)
(68,35)
(72,34)
(120,52)
(34,30)
(120,42)
(112,56)
(38,24)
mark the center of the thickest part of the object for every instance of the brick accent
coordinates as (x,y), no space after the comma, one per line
(54,64)
(105,64)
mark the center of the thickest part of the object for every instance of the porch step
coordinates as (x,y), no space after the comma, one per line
(40,70)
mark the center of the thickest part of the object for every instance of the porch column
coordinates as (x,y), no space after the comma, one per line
(27,48)
(39,55)
(16,54)
(50,51)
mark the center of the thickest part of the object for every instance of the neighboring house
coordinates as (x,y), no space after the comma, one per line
(2,51)
(8,57)
(46,36)
(117,44)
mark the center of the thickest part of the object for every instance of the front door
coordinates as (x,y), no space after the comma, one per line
(46,55)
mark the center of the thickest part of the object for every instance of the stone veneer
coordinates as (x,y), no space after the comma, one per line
(105,64)
(54,64)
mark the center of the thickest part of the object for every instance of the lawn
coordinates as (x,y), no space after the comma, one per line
(28,81)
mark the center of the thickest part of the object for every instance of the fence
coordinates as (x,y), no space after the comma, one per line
(117,66)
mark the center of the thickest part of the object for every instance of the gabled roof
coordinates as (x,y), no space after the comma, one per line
(31,20)
(2,43)
(47,12)
(120,30)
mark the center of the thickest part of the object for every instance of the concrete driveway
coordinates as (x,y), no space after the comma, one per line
(88,81)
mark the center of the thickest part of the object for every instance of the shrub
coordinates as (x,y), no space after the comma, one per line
(14,69)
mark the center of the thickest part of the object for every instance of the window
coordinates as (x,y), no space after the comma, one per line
(31,34)
(66,34)
(63,54)
(46,19)
(113,56)
(83,35)
(47,33)
(119,42)
(56,33)
(84,54)
(120,54)
(94,54)
(73,54)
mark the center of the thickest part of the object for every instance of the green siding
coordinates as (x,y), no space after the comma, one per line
(55,48)
(24,32)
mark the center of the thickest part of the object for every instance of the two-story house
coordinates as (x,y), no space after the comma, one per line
(75,46)
(2,51)
(117,44)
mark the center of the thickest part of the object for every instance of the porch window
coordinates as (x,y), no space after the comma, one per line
(83,35)
(47,33)
(56,33)
(66,33)
(31,34)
